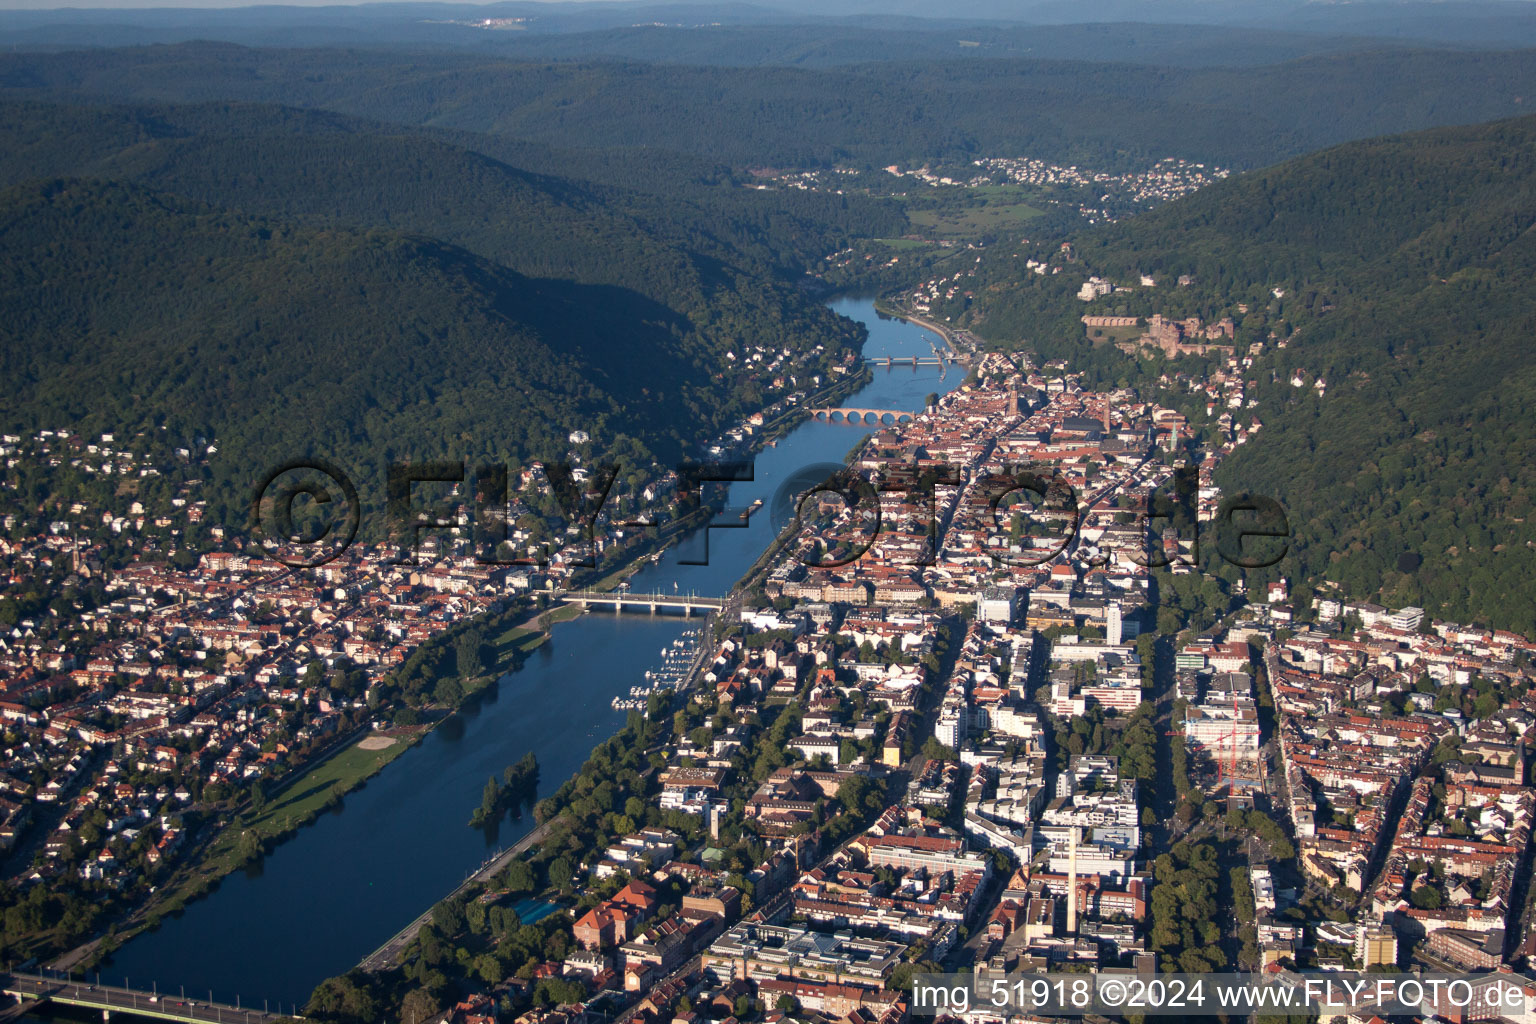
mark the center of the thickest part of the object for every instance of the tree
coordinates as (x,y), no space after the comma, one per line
(348,998)
(936,751)
(1426,897)
(490,798)
(448,692)
(559,991)
(472,656)
(419,1006)
(249,847)
(475,917)
(560,873)
(519,876)
(448,917)
(488,969)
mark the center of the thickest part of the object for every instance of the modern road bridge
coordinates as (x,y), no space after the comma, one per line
(28,988)
(890,361)
(623,600)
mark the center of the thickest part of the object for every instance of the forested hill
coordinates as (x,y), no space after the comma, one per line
(1407,271)
(1098,114)
(1423,204)
(699,243)
(123,309)
(622,301)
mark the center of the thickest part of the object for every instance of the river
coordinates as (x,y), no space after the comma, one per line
(332,894)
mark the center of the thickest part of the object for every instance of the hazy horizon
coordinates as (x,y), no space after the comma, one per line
(904,8)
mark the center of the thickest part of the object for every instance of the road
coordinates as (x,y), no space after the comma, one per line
(1164,795)
(384,957)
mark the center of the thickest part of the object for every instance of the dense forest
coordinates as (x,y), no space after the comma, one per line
(126,309)
(706,248)
(1399,271)
(1100,114)
(542,209)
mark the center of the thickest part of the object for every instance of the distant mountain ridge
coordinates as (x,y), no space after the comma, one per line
(1102,115)
(821,43)
(794,31)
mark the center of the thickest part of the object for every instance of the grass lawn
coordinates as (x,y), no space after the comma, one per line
(519,639)
(514,642)
(286,810)
(1104,335)
(975,219)
(346,769)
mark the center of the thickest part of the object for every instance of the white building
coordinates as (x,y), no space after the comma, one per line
(997,605)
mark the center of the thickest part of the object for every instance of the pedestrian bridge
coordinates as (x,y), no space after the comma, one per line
(623,600)
(36,989)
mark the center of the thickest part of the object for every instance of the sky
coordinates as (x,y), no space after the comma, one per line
(51,5)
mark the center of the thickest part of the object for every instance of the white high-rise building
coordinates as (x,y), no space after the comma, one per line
(950,729)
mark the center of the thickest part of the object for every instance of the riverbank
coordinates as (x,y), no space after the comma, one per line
(384,957)
(343,768)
